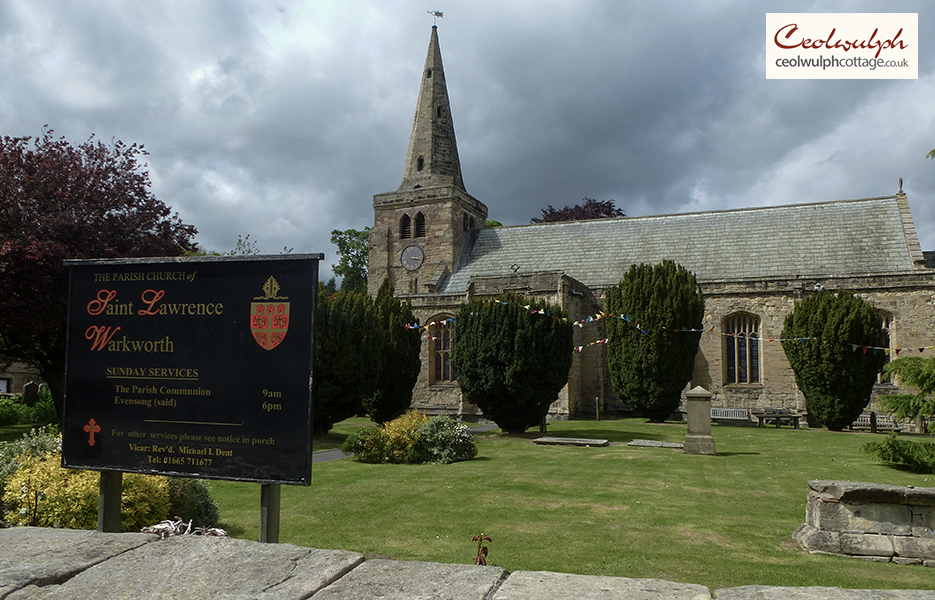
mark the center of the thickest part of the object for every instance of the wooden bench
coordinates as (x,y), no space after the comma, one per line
(883,423)
(730,415)
(777,416)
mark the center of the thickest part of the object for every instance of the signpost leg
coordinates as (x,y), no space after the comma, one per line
(270,495)
(108,508)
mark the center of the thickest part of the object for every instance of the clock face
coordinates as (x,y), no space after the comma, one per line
(412,257)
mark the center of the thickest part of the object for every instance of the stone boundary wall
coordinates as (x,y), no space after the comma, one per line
(883,523)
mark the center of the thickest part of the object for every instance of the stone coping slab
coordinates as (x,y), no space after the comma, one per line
(762,592)
(41,556)
(543,585)
(199,567)
(566,441)
(863,493)
(398,580)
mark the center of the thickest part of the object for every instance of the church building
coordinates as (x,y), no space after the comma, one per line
(429,238)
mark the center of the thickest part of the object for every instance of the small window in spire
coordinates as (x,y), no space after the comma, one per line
(405,227)
(428,73)
(420,164)
(438,111)
(420,225)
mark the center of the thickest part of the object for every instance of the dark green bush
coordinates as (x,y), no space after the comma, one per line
(443,440)
(190,500)
(918,457)
(10,411)
(43,411)
(826,339)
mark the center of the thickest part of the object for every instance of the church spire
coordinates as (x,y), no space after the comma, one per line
(432,159)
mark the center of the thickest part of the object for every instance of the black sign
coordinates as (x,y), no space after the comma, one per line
(196,366)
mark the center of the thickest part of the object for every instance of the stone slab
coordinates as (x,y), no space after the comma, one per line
(199,567)
(397,580)
(42,556)
(655,444)
(542,585)
(760,592)
(564,441)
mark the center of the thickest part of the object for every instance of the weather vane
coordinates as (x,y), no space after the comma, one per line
(436,15)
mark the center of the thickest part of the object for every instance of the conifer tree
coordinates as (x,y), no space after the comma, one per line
(512,358)
(401,362)
(651,348)
(348,355)
(829,339)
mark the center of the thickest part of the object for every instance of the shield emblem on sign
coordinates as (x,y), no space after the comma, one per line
(269,316)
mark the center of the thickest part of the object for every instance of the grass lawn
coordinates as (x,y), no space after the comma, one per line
(719,521)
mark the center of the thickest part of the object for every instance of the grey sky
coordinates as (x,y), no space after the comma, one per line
(282,119)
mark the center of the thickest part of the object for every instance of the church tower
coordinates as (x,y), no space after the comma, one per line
(419,229)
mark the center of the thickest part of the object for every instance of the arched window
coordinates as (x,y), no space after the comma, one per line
(420,225)
(405,228)
(420,164)
(741,348)
(440,335)
(465,222)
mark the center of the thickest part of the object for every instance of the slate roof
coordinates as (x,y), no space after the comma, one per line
(850,237)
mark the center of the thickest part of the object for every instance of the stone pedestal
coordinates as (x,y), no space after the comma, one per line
(699,440)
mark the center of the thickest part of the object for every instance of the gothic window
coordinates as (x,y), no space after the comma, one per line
(742,348)
(420,164)
(440,352)
(420,225)
(405,227)
(465,223)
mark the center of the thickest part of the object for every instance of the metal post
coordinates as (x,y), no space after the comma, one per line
(108,507)
(270,499)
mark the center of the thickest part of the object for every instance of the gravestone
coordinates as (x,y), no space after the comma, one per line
(699,440)
(31,393)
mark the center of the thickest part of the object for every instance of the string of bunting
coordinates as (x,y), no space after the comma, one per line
(854,347)
(603,315)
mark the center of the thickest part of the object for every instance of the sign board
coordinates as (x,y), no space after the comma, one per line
(196,366)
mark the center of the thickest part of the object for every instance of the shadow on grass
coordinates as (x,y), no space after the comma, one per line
(234,530)
(737,454)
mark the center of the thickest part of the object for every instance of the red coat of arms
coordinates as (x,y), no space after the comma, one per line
(269,316)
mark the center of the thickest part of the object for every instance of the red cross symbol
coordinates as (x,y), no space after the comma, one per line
(92,427)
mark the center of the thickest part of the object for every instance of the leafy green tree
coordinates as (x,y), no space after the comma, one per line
(828,339)
(915,372)
(348,355)
(651,348)
(401,362)
(354,250)
(60,201)
(511,358)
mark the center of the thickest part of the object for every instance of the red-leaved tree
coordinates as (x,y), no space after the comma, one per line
(60,201)
(589,208)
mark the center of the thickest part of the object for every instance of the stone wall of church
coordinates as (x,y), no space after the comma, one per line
(906,301)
